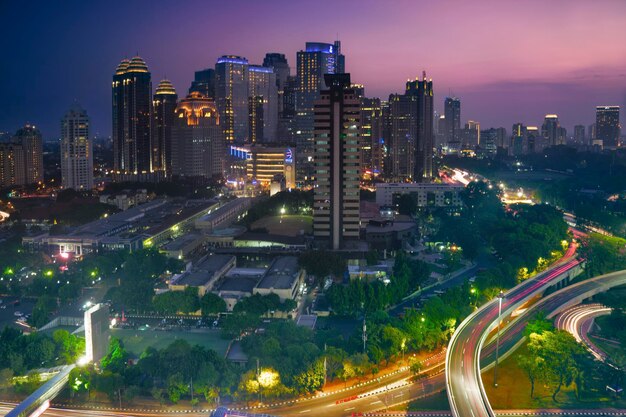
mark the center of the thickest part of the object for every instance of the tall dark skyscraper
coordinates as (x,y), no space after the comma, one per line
(163,108)
(452,113)
(551,130)
(132,91)
(336,212)
(403,136)
(423,91)
(316,60)
(607,125)
(281,68)
(76,150)
(32,144)
(579,134)
(204,83)
(262,104)
(231,97)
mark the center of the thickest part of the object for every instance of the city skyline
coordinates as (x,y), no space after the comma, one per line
(502,76)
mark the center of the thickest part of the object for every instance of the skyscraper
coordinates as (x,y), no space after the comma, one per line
(579,134)
(262,104)
(204,83)
(163,108)
(518,139)
(231,97)
(132,91)
(551,130)
(283,73)
(403,136)
(29,137)
(471,135)
(371,122)
(12,167)
(281,68)
(76,150)
(607,125)
(452,113)
(423,91)
(197,139)
(337,163)
(312,63)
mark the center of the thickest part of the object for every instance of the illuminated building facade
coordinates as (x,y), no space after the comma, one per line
(471,135)
(163,108)
(262,104)
(132,90)
(76,150)
(371,122)
(403,117)
(422,90)
(607,126)
(29,137)
(337,163)
(12,167)
(197,138)
(452,124)
(231,97)
(313,63)
(551,130)
(265,163)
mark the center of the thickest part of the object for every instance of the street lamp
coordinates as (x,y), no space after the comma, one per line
(495,369)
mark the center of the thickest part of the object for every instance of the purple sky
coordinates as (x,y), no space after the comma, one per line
(508,61)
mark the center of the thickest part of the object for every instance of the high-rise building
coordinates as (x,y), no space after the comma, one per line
(76,150)
(452,114)
(336,213)
(204,83)
(164,105)
(231,97)
(262,104)
(371,122)
(403,136)
(607,126)
(32,144)
(471,135)
(490,140)
(313,63)
(518,139)
(285,100)
(12,167)
(281,68)
(579,134)
(422,90)
(535,142)
(132,90)
(591,133)
(197,139)
(551,130)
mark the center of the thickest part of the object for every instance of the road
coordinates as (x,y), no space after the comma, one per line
(465,390)
(463,380)
(578,321)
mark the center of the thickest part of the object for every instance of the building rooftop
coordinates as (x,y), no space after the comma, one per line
(239,283)
(281,274)
(204,271)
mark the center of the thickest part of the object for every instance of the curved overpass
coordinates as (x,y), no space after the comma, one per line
(463,377)
(578,321)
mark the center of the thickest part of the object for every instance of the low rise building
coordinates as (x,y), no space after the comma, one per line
(389,234)
(224,215)
(237,284)
(427,194)
(183,246)
(205,274)
(283,278)
(126,199)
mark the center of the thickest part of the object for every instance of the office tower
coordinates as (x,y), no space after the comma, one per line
(281,68)
(579,134)
(439,130)
(313,63)
(197,138)
(231,97)
(337,163)
(132,91)
(591,133)
(490,140)
(164,105)
(471,135)
(262,104)
(551,130)
(32,144)
(283,74)
(204,83)
(607,126)
(423,91)
(518,139)
(12,168)
(385,107)
(371,121)
(403,136)
(534,140)
(452,114)
(76,150)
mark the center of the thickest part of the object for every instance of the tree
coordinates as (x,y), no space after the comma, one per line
(115,360)
(539,325)
(212,304)
(69,347)
(416,367)
(176,387)
(532,367)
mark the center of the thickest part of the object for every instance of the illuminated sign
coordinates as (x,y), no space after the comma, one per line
(288,156)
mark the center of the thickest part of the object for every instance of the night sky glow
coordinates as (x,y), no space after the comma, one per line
(508,61)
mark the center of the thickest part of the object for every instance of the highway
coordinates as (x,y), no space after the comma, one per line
(578,321)
(463,379)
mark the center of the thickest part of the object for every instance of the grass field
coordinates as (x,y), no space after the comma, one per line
(285,225)
(513,390)
(136,341)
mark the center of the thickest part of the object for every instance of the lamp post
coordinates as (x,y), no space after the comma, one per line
(495,369)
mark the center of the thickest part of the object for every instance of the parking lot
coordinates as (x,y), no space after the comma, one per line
(10,307)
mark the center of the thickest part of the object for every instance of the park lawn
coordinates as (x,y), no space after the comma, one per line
(136,341)
(513,391)
(285,225)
